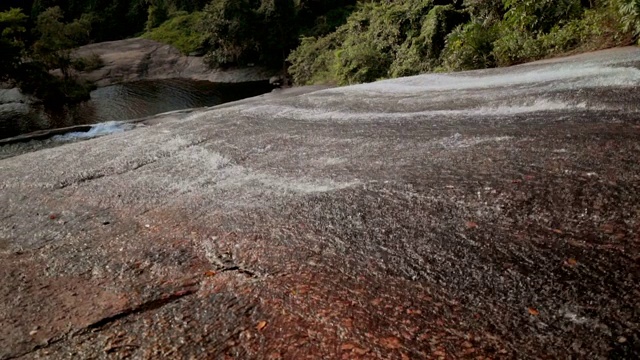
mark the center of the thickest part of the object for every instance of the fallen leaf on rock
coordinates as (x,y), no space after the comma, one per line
(261,325)
(607,228)
(360,351)
(472,225)
(390,342)
(534,311)
(346,347)
(469,351)
(622,339)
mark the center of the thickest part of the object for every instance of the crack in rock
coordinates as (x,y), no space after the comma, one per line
(146,306)
(224,262)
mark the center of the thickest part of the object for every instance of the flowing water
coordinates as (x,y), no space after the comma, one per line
(124,102)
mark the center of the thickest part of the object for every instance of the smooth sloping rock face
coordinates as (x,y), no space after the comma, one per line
(483,214)
(143,59)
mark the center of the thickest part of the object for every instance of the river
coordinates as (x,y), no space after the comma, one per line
(127,101)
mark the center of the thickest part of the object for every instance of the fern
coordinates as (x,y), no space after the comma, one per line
(630,15)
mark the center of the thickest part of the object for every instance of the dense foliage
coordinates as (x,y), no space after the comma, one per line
(29,57)
(241,32)
(12,29)
(181,30)
(388,39)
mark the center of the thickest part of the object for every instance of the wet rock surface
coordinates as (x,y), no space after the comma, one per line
(489,214)
(143,59)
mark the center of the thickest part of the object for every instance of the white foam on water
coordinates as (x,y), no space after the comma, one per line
(106,128)
(215,176)
(566,76)
(290,112)
(459,141)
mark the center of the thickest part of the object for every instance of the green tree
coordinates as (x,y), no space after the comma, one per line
(181,31)
(630,15)
(486,12)
(57,39)
(158,13)
(12,30)
(540,15)
(232,28)
(278,17)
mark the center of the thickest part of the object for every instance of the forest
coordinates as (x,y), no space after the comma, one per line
(313,41)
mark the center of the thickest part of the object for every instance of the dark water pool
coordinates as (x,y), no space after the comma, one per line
(125,102)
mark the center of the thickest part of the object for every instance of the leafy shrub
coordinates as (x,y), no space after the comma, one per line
(470,47)
(240,32)
(231,33)
(314,60)
(516,46)
(406,37)
(326,23)
(485,11)
(629,11)
(379,40)
(157,15)
(595,29)
(90,63)
(275,38)
(421,53)
(540,15)
(12,30)
(180,31)
(53,91)
(361,62)
(372,35)
(533,29)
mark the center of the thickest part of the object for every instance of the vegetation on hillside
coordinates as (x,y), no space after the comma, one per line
(180,30)
(389,39)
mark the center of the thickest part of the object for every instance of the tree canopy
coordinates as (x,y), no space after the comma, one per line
(12,30)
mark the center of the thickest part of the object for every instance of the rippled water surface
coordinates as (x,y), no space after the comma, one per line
(125,102)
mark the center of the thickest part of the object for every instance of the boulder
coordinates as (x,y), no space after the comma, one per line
(144,59)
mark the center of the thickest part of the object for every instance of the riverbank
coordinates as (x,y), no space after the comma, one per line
(488,214)
(45,139)
(139,61)
(143,59)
